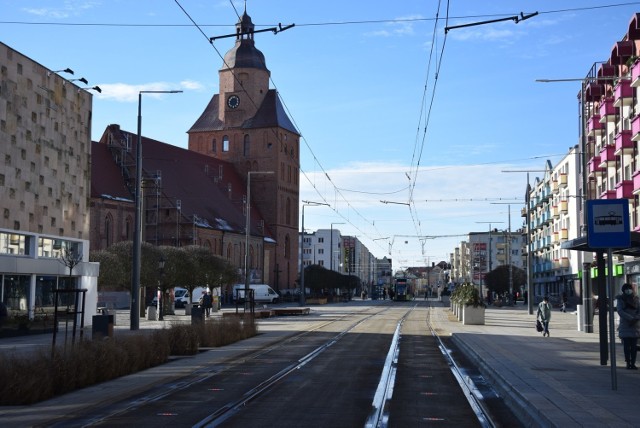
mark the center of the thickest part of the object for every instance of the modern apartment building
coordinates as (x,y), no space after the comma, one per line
(555,216)
(45,141)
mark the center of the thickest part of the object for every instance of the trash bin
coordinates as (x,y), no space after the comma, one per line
(216,303)
(102,326)
(197,314)
(152,313)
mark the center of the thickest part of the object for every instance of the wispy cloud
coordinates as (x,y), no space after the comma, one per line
(66,9)
(125,92)
(402,26)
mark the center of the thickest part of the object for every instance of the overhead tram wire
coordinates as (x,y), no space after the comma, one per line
(315,24)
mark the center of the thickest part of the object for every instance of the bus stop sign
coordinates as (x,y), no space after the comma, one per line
(608,223)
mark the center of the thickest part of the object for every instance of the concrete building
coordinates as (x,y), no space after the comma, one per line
(555,216)
(45,136)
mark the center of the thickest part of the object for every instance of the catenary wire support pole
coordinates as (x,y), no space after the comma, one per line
(246,238)
(137,234)
(514,18)
(304,204)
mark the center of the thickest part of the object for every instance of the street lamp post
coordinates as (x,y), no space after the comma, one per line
(508,247)
(529,248)
(137,235)
(489,265)
(332,253)
(246,236)
(160,293)
(304,204)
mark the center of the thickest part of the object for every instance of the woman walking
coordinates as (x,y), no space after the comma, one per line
(544,315)
(628,306)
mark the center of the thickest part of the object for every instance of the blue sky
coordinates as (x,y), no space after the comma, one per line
(358,80)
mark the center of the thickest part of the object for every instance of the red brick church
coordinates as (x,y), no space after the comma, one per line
(198,196)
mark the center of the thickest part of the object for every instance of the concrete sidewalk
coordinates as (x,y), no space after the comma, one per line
(548,381)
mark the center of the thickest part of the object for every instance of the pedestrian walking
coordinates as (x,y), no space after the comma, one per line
(544,315)
(564,302)
(207,303)
(628,306)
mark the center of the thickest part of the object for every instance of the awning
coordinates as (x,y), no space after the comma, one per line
(581,244)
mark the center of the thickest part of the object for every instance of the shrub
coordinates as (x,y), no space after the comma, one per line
(39,376)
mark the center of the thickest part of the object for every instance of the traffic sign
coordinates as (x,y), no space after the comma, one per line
(608,223)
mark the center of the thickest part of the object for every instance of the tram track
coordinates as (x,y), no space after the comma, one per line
(369,366)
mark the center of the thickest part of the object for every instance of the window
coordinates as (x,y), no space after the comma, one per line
(288,212)
(287,247)
(320,240)
(225,143)
(107,231)
(214,145)
(247,144)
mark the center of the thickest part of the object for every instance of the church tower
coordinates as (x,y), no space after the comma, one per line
(246,125)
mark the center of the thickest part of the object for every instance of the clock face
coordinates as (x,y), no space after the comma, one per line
(233,101)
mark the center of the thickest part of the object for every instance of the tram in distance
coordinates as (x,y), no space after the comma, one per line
(401,290)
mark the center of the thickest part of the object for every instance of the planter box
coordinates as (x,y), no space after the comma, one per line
(317,301)
(472,315)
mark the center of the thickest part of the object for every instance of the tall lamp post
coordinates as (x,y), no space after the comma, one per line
(137,234)
(246,236)
(529,248)
(304,204)
(332,252)
(489,265)
(508,247)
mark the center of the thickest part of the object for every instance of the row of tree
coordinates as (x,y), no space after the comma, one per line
(319,279)
(189,267)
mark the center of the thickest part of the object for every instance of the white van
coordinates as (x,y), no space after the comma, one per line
(261,293)
(182,296)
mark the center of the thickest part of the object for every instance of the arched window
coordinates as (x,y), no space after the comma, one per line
(252,263)
(108,236)
(229,252)
(288,212)
(247,145)
(127,228)
(287,247)
(225,143)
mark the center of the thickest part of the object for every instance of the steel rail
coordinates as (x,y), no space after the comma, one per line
(471,392)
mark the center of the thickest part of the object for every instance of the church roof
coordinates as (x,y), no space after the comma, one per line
(244,54)
(201,183)
(271,114)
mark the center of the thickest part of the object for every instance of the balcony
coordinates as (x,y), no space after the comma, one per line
(623,143)
(607,155)
(593,92)
(555,211)
(636,182)
(594,166)
(607,110)
(564,207)
(608,194)
(623,93)
(594,126)
(554,186)
(562,180)
(564,234)
(635,75)
(564,262)
(624,189)
(635,128)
